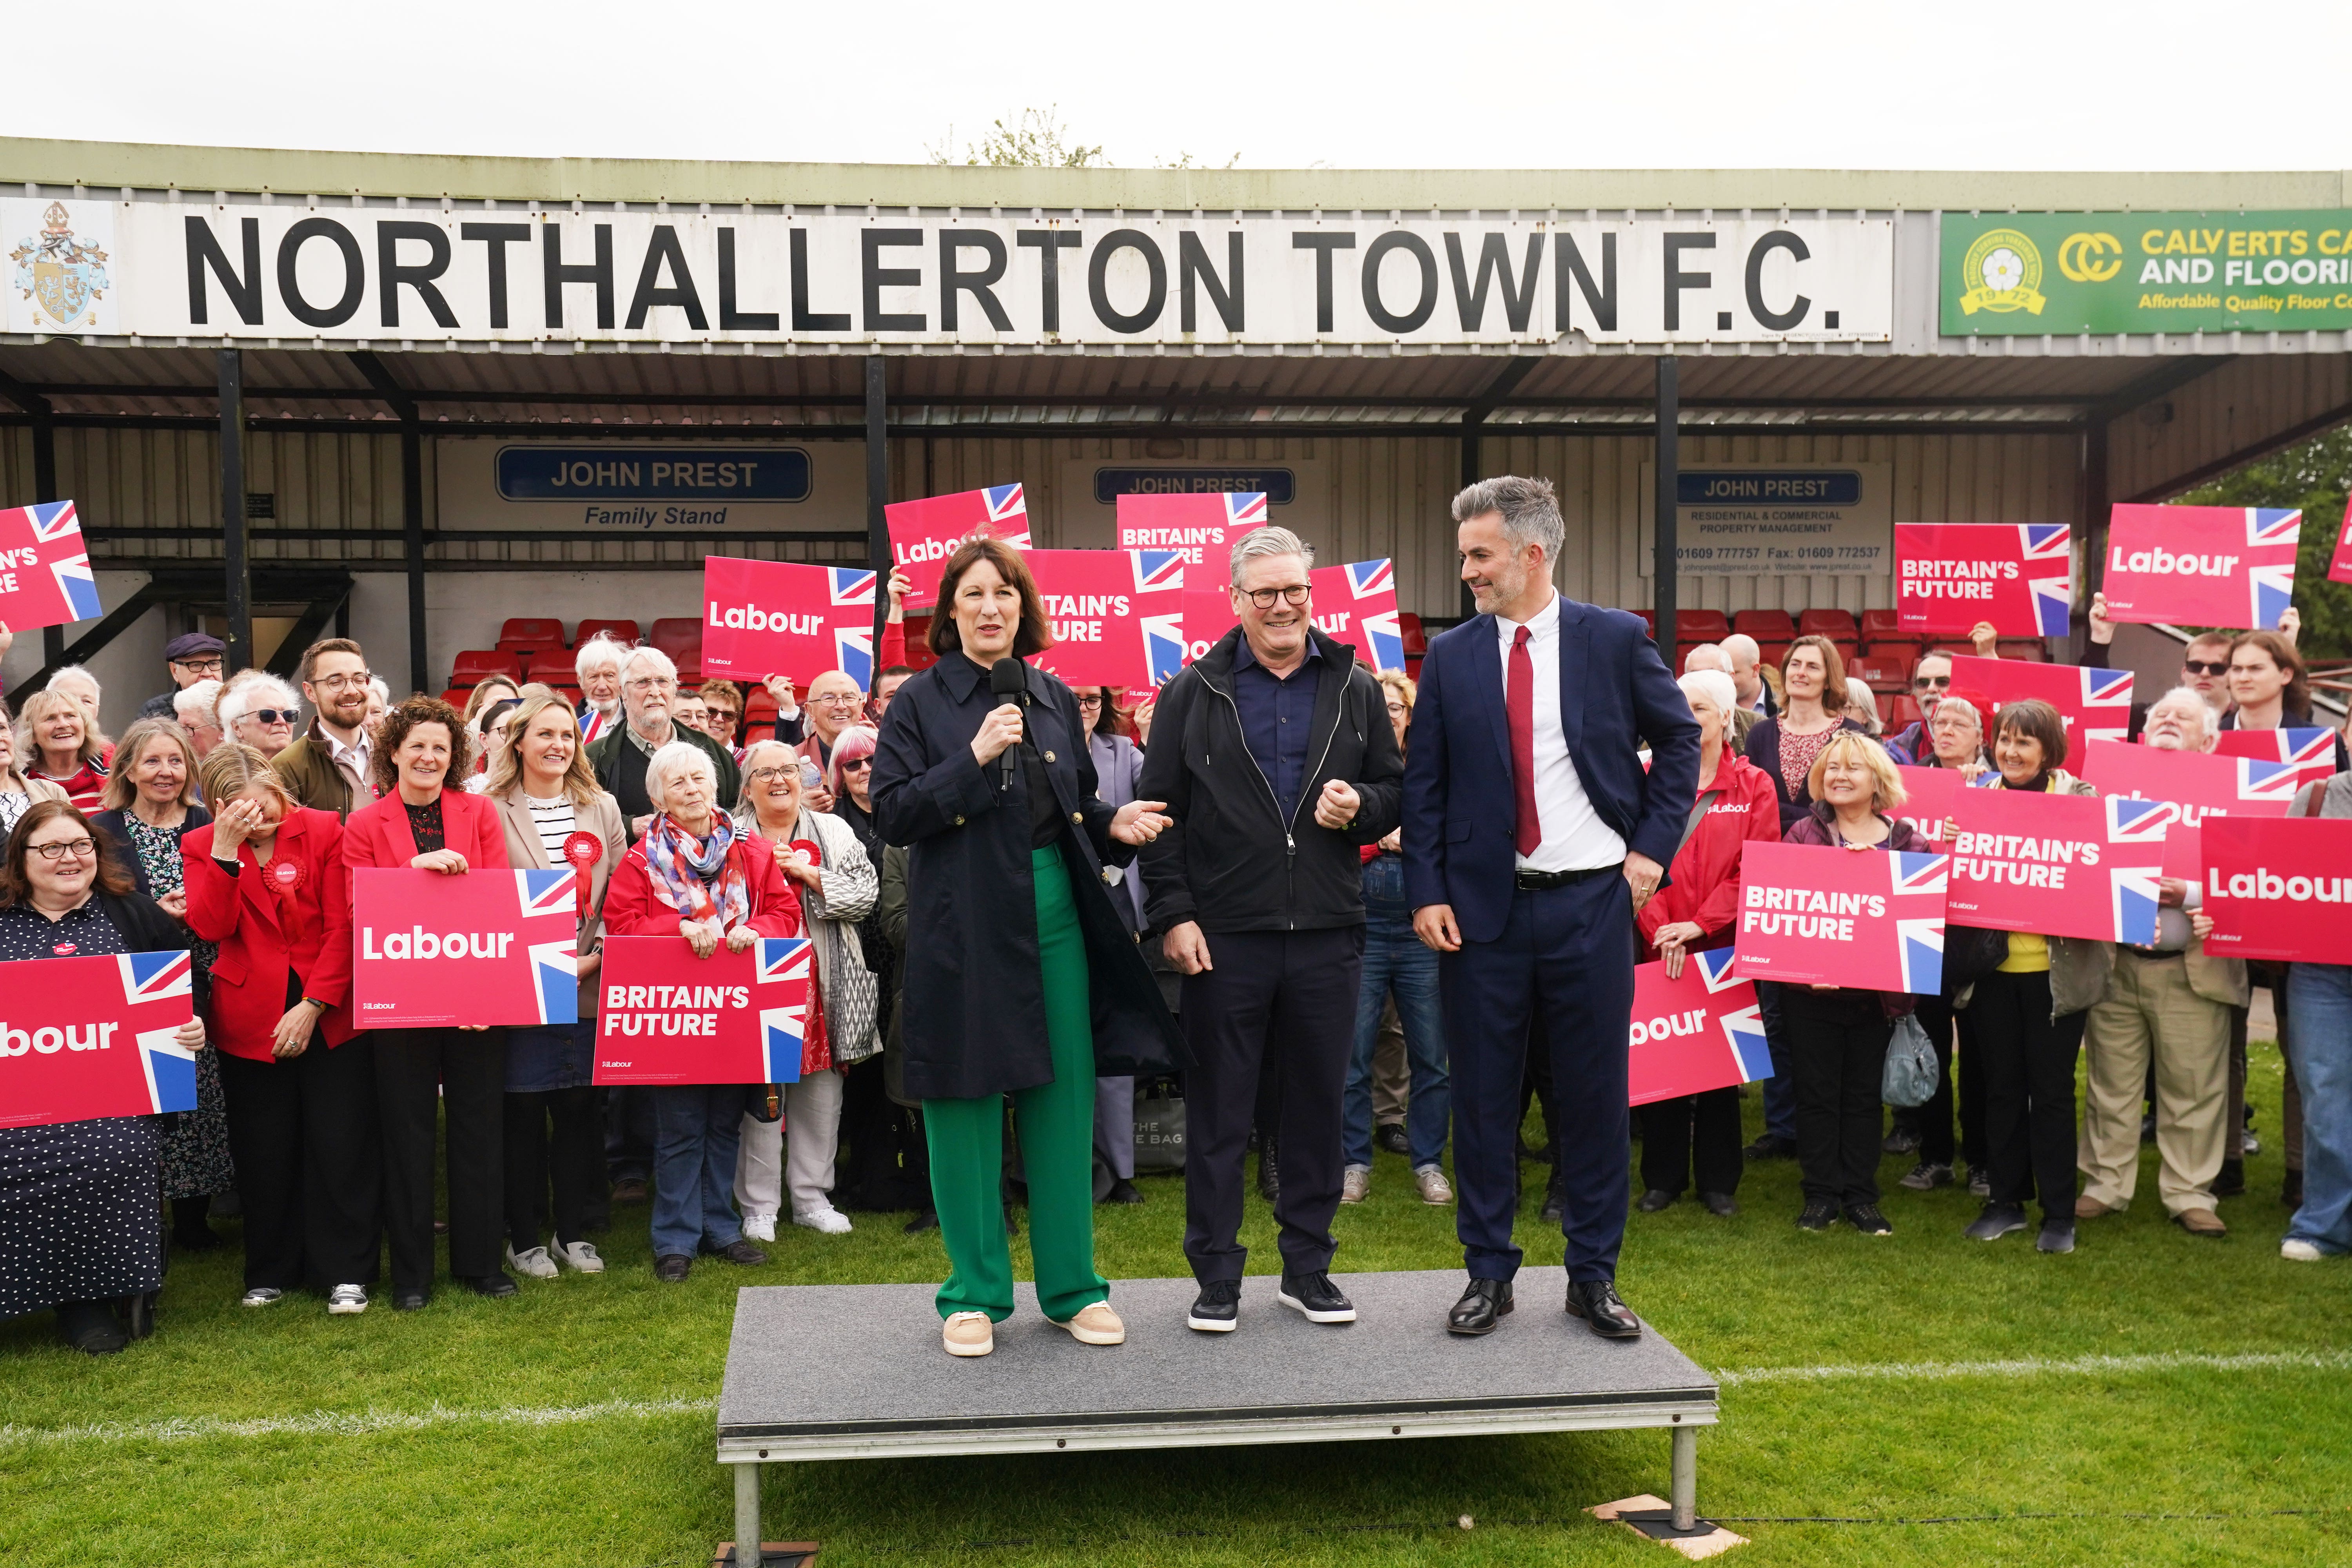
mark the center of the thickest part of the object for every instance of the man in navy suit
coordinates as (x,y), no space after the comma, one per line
(1532,835)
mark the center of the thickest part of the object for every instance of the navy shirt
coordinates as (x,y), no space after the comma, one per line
(1276,715)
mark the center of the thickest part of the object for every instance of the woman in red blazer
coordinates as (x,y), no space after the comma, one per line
(417,822)
(264,879)
(692,875)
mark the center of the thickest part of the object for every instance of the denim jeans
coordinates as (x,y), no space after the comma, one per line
(696,1131)
(1396,963)
(2320,999)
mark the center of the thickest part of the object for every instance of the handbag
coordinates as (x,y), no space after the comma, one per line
(1912,1073)
(1971,953)
(1158,1131)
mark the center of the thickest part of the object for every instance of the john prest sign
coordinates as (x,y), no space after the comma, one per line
(1777,518)
(2027,273)
(644,488)
(321,269)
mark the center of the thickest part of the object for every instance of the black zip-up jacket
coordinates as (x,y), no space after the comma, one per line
(1231,863)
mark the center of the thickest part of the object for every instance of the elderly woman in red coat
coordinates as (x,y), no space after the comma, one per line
(1694,910)
(694,874)
(264,879)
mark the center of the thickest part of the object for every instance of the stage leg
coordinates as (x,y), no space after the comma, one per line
(1685,1487)
(747,1509)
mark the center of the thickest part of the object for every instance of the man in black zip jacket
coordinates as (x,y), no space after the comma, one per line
(1274,755)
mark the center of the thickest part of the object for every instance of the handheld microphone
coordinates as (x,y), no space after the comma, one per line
(1008,679)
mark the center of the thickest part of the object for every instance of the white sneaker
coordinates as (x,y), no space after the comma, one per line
(826,1221)
(759,1226)
(534,1262)
(261,1296)
(2294,1249)
(347,1300)
(1355,1185)
(1433,1184)
(582,1256)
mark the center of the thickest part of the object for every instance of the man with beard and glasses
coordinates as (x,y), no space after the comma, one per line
(327,766)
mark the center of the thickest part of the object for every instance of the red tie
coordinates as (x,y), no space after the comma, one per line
(1519,705)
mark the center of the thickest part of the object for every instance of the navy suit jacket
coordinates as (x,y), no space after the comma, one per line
(1460,812)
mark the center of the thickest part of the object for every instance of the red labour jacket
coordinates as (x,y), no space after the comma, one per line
(377,834)
(264,932)
(1703,884)
(632,908)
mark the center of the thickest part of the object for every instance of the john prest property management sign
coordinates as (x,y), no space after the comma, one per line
(1777,518)
(297,269)
(2025,274)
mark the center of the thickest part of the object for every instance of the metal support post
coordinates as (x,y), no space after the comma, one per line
(877,495)
(1685,1478)
(44,489)
(1665,557)
(236,564)
(747,1515)
(412,545)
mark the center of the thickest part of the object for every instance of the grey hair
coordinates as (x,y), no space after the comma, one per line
(2204,710)
(597,652)
(670,759)
(652,657)
(1530,511)
(79,672)
(246,696)
(194,704)
(1269,541)
(1963,707)
(1858,694)
(1713,685)
(382,692)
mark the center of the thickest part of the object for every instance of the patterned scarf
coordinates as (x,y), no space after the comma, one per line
(683,867)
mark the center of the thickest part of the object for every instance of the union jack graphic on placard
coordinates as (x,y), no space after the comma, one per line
(2270,584)
(1006,504)
(2272,781)
(1356,603)
(853,654)
(852,585)
(1164,647)
(1368,577)
(1920,939)
(1158,569)
(2048,546)
(1245,509)
(783,1029)
(1743,1027)
(554,971)
(42,554)
(2135,821)
(545,892)
(151,976)
(170,1068)
(2106,688)
(2311,753)
(783,958)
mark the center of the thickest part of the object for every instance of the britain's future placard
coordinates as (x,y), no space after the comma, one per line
(2230,566)
(88,1036)
(2095,703)
(1832,917)
(670,1017)
(1117,615)
(1699,1032)
(2066,865)
(1204,526)
(2278,888)
(1950,575)
(44,576)
(777,617)
(482,948)
(924,533)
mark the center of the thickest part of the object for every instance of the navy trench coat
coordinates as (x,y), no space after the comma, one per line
(974,1019)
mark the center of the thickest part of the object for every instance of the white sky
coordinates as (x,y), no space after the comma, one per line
(2021,84)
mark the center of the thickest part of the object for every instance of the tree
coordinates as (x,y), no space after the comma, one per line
(1036,139)
(2315,476)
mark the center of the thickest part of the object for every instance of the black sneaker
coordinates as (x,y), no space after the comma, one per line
(1217,1308)
(1902,1141)
(500,1284)
(1314,1297)
(1928,1175)
(1979,1181)
(1817,1216)
(1997,1220)
(1391,1136)
(2057,1236)
(2231,1181)
(1770,1148)
(1866,1218)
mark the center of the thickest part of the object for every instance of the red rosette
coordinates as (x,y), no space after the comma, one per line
(582,850)
(808,849)
(286,876)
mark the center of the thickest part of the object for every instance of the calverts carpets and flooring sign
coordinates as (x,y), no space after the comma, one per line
(2028,274)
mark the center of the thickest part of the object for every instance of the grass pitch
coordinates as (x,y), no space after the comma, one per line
(1919,1399)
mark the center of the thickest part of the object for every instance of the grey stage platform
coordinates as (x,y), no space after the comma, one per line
(855,1371)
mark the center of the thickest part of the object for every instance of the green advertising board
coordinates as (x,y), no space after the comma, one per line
(2028,274)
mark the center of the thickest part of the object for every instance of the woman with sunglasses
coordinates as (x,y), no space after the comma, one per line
(261,710)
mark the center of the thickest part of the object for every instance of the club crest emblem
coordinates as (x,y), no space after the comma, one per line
(60,275)
(2003,273)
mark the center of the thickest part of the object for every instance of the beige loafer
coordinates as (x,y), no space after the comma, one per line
(1096,1325)
(969,1333)
(2200,1222)
(2088,1207)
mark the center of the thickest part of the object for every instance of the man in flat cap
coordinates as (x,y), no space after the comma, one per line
(191,656)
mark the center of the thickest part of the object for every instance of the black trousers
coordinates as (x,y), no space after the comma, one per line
(570,1156)
(2028,1078)
(629,1133)
(1695,1130)
(1933,1121)
(302,1132)
(462,1076)
(1838,1039)
(1292,994)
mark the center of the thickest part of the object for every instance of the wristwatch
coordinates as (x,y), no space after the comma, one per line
(321,1006)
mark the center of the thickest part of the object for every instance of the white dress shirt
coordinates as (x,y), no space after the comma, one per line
(1574,837)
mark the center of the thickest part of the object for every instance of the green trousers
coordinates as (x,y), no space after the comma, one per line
(1057,1124)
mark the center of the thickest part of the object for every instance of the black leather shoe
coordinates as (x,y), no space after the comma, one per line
(740,1251)
(1719,1203)
(1480,1308)
(1770,1148)
(1595,1300)
(415,1298)
(1315,1298)
(1218,1308)
(1555,1203)
(1391,1136)
(671,1269)
(926,1220)
(1653,1200)
(1122,1190)
(90,1328)
(1866,1218)
(2231,1181)
(492,1285)
(1269,1171)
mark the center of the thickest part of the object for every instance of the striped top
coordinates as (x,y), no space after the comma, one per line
(555,821)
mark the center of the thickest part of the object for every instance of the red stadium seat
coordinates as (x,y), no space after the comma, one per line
(549,667)
(1416,639)
(1884,674)
(1773,652)
(680,637)
(476,662)
(455,696)
(1902,649)
(1697,626)
(1847,653)
(620,631)
(1412,666)
(538,631)
(1899,712)
(759,712)
(1877,624)
(1835,625)
(1649,619)
(1765,625)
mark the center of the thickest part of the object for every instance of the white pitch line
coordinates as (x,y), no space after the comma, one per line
(358,1424)
(2039,1366)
